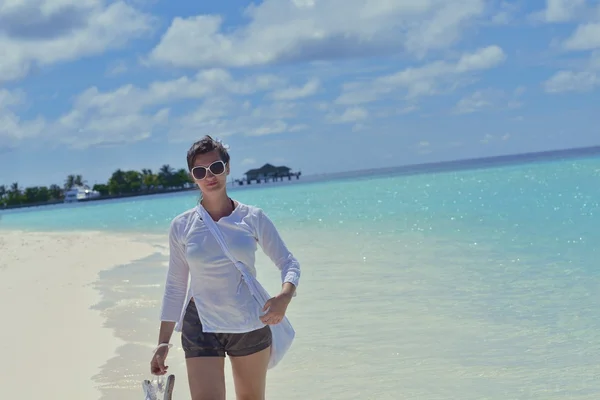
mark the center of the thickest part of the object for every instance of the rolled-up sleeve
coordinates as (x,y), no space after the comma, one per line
(177,277)
(275,248)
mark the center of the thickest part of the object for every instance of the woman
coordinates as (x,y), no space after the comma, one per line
(221,317)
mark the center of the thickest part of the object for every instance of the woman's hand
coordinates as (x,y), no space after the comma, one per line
(276,307)
(157,365)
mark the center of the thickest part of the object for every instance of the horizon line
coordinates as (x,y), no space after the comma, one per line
(567,153)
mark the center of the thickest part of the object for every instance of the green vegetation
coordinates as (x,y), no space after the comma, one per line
(120,184)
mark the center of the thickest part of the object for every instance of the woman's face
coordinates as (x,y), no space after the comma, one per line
(210,182)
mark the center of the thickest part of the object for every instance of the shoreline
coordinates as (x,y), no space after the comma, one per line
(48,285)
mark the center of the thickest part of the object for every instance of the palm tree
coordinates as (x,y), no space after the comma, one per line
(2,194)
(165,176)
(55,192)
(79,180)
(69,182)
(149,180)
(181,178)
(14,188)
(14,194)
(74,180)
(117,182)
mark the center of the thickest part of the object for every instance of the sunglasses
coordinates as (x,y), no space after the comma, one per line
(216,168)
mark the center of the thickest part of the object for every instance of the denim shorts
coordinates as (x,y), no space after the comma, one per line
(197,343)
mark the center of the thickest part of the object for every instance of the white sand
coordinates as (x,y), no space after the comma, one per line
(52,342)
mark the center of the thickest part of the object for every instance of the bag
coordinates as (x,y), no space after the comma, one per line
(282,333)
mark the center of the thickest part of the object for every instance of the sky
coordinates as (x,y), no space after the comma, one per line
(89,86)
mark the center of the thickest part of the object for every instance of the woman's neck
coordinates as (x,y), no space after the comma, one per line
(218,205)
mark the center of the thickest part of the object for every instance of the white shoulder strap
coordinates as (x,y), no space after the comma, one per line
(214,229)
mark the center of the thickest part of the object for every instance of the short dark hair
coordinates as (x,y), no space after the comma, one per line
(206,145)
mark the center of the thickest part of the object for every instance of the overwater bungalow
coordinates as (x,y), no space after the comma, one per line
(268,172)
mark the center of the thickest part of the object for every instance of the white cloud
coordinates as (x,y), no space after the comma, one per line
(81,130)
(489,98)
(43,32)
(284,31)
(129,98)
(584,12)
(225,117)
(475,102)
(12,128)
(76,129)
(268,128)
(422,81)
(298,128)
(293,93)
(353,114)
(506,13)
(10,98)
(559,11)
(131,113)
(117,68)
(585,79)
(585,37)
(571,81)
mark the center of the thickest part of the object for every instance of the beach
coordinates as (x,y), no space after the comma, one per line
(86,305)
(465,285)
(89,302)
(53,343)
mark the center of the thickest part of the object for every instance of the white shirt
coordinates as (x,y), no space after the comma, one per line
(223,300)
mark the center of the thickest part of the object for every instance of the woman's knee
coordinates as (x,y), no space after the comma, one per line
(206,378)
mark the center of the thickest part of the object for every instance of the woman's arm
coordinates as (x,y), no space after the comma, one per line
(275,248)
(175,286)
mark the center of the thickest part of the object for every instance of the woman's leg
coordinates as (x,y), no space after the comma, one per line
(206,377)
(204,358)
(250,375)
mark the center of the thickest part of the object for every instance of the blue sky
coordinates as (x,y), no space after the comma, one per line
(89,86)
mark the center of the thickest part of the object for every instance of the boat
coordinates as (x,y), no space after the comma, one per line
(78,192)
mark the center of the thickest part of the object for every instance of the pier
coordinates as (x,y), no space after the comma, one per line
(267,173)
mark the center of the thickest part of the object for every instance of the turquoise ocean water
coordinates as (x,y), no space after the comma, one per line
(472,284)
